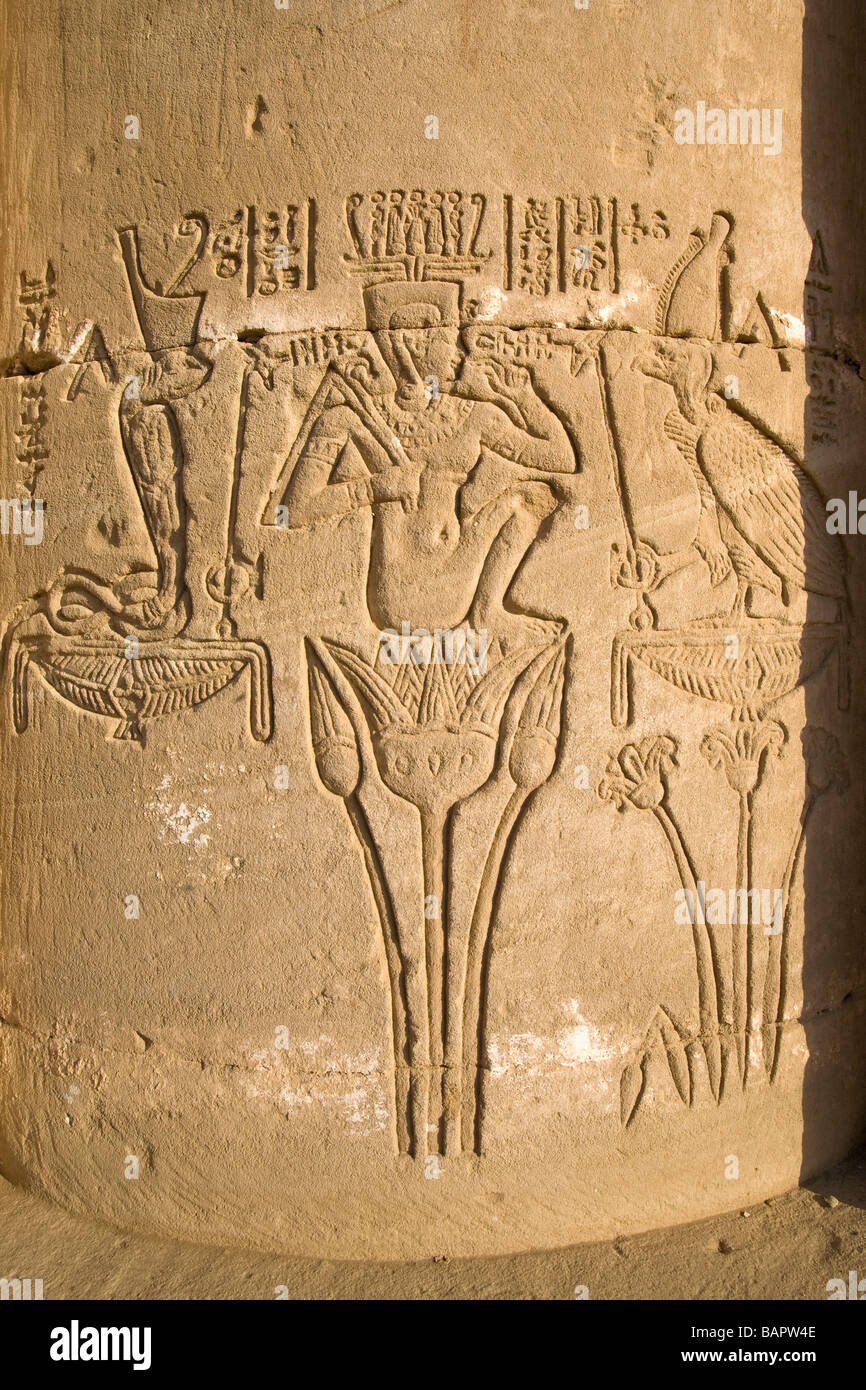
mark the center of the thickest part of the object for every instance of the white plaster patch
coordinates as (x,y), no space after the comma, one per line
(77,340)
(351,1088)
(608,310)
(579,1042)
(583,1043)
(795,329)
(490,303)
(182,822)
(362,1108)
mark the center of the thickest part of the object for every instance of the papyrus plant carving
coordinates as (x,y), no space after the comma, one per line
(743,971)
(741,750)
(531,761)
(338,763)
(438,734)
(638,779)
(826,770)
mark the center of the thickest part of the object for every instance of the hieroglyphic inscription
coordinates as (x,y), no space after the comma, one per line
(314,347)
(821,367)
(40,338)
(819,300)
(572,241)
(634,226)
(31,448)
(531,245)
(264,249)
(821,372)
(511,344)
(40,315)
(410,233)
(587,252)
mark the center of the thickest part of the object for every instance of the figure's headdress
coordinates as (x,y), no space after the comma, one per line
(691,301)
(166,320)
(395,304)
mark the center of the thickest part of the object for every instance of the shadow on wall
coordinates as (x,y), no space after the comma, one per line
(832,851)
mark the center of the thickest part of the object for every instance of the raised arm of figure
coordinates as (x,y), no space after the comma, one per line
(541,443)
(312,495)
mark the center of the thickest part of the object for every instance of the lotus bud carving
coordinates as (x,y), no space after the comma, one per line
(335,744)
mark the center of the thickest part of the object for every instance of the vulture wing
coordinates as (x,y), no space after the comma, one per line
(773,503)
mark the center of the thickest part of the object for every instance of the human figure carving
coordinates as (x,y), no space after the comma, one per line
(459,462)
(146,601)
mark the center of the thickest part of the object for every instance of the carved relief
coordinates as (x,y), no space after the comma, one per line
(461,690)
(31,443)
(440,429)
(531,245)
(573,242)
(743,968)
(782,613)
(414,233)
(588,251)
(124,649)
(821,367)
(264,250)
(41,345)
(691,300)
(41,336)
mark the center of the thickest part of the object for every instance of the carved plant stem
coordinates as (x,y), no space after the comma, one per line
(707,965)
(531,760)
(742,961)
(478,974)
(778,961)
(637,571)
(741,749)
(226,626)
(458,1080)
(433,833)
(410,1107)
(338,762)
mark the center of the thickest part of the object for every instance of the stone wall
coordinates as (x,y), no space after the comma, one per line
(431,591)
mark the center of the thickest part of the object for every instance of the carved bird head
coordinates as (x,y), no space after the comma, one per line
(685,366)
